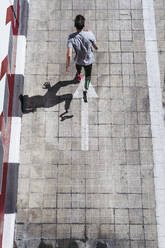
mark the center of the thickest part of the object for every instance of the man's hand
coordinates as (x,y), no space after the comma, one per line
(95,46)
(67,71)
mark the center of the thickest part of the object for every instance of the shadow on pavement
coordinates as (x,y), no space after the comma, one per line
(50,99)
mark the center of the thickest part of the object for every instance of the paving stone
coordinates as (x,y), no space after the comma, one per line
(136,216)
(126,36)
(33,231)
(138,35)
(138,244)
(49,200)
(136,4)
(107,230)
(116,80)
(23,201)
(48,216)
(136,232)
(137,14)
(124,4)
(36,186)
(137,25)
(63,231)
(102,57)
(113,5)
(49,231)
(64,201)
(126,46)
(152,244)
(101,5)
(115,58)
(78,231)
(135,200)
(125,14)
(149,216)
(78,200)
(22,216)
(114,35)
(122,231)
(121,216)
(35,215)
(101,14)
(35,200)
(127,58)
(114,46)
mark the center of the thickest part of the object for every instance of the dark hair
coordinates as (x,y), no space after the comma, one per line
(79,22)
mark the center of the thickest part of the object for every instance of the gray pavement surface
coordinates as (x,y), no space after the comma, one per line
(105,194)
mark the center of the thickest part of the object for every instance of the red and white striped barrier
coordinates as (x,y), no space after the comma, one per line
(13,31)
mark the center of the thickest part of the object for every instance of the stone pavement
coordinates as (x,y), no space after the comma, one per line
(107,192)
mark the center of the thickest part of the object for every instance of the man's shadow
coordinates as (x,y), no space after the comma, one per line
(50,99)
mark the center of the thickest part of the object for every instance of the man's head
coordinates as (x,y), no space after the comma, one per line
(79,22)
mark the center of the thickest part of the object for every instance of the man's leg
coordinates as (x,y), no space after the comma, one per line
(77,78)
(88,71)
(78,68)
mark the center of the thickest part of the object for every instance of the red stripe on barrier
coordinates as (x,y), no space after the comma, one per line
(6,139)
(2,200)
(4,67)
(1,121)
(10,79)
(10,16)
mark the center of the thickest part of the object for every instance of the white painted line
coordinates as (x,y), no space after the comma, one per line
(2,93)
(84,112)
(15,140)
(8,230)
(84,126)
(156,113)
(20,55)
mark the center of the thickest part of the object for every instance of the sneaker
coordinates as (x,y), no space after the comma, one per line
(85,96)
(77,78)
(46,85)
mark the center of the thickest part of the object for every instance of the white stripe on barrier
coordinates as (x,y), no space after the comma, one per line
(11,2)
(8,230)
(20,56)
(4,42)
(2,93)
(156,113)
(3,7)
(15,140)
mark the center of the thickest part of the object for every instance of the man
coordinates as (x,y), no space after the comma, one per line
(82,42)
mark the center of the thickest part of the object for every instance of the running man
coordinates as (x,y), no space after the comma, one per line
(82,42)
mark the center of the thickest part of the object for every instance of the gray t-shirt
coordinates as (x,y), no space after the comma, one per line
(82,44)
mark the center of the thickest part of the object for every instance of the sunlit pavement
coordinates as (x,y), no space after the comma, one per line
(87,175)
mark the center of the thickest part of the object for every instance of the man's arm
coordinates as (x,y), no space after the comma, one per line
(93,40)
(68,59)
